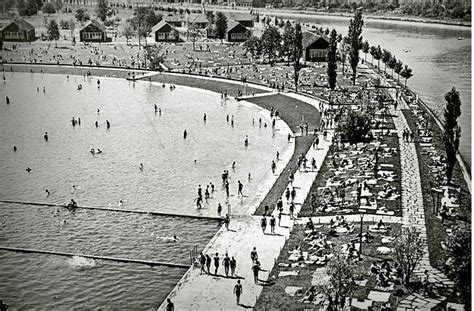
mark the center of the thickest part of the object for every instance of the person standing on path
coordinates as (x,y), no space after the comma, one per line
(293,194)
(279,218)
(202,261)
(226,264)
(219,209)
(227,221)
(280,203)
(287,195)
(226,186)
(233,265)
(292,210)
(263,224)
(254,255)
(216,263)
(272,224)
(256,269)
(208,263)
(273,167)
(238,291)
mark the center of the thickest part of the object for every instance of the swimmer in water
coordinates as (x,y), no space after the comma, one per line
(233,165)
(141,166)
(156,108)
(185,134)
(96,124)
(99,151)
(108,124)
(28,169)
(14,149)
(159,111)
(45,136)
(98,111)
(246,141)
(92,151)
(47,192)
(120,202)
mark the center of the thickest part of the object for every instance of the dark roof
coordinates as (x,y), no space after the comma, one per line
(233,24)
(310,37)
(21,23)
(95,24)
(160,25)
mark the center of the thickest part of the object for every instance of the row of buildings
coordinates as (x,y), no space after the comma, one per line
(315,46)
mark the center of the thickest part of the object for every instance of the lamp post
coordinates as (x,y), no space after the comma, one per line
(362,214)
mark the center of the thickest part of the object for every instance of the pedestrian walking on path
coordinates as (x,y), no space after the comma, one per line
(241,187)
(169,305)
(272,224)
(254,255)
(293,194)
(287,195)
(216,263)
(313,165)
(219,209)
(238,291)
(263,224)
(273,167)
(226,264)
(279,218)
(233,265)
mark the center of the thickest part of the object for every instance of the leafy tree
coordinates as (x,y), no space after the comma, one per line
(53,31)
(221,26)
(80,15)
(28,8)
(7,5)
(210,17)
(127,31)
(398,68)
(271,44)
(48,8)
(392,62)
(254,46)
(377,55)
(452,131)
(341,284)
(406,73)
(408,251)
(327,31)
(373,51)
(154,56)
(332,60)
(459,259)
(386,56)
(58,4)
(193,34)
(365,49)
(354,127)
(297,53)
(143,20)
(355,42)
(102,10)
(344,48)
(288,40)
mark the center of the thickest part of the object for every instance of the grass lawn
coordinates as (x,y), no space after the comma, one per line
(274,297)
(326,171)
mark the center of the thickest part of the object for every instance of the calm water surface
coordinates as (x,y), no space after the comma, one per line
(438,59)
(167,183)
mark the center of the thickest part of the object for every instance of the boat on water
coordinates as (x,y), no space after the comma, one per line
(460,38)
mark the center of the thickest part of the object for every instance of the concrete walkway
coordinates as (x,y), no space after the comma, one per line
(413,214)
(208,292)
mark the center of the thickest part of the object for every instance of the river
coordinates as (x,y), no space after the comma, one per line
(438,58)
